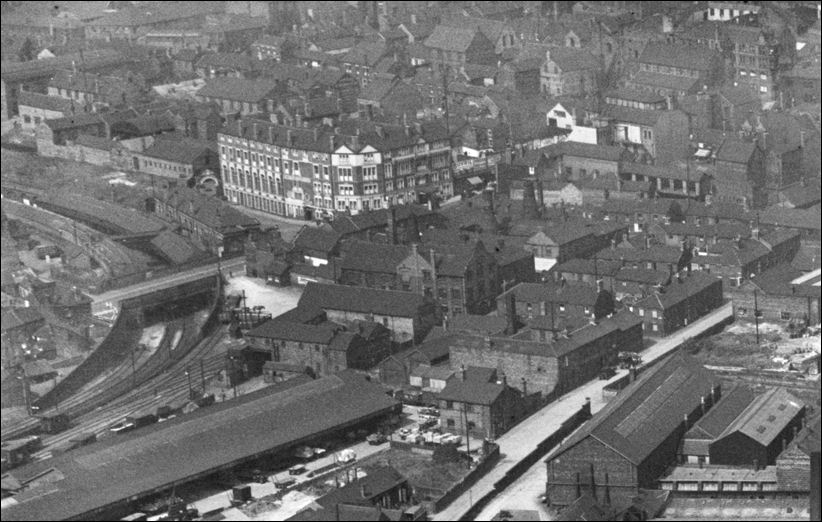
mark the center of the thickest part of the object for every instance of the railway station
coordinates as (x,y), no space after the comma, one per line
(107,480)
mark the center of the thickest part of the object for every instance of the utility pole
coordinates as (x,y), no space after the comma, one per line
(188,377)
(756,311)
(202,374)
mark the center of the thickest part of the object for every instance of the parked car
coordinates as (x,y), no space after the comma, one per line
(430,412)
(298,469)
(346,455)
(376,438)
(122,427)
(284,483)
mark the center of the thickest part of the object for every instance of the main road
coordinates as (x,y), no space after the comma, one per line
(100,301)
(523,438)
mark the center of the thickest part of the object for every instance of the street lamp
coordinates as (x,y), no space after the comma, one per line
(756,311)
(188,377)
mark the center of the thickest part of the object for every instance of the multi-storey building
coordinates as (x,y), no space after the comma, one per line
(302,172)
(757,53)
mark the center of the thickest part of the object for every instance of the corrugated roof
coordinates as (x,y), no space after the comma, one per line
(178,150)
(766,416)
(275,417)
(647,412)
(291,331)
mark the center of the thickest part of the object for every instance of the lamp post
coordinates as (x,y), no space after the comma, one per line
(188,377)
(756,311)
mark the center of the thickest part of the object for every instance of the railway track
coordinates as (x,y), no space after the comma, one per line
(170,387)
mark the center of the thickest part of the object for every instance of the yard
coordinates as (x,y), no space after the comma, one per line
(736,346)
(421,470)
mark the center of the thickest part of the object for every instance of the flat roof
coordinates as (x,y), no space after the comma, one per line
(103,474)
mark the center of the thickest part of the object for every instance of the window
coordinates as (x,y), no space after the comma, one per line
(655,327)
(449,405)
(762,88)
(450,422)
(641,312)
(785,316)
(561,308)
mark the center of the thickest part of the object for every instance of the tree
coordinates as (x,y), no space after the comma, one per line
(27,51)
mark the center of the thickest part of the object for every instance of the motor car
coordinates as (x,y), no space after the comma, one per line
(298,469)
(376,438)
(122,427)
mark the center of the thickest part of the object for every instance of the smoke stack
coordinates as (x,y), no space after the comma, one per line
(392,226)
(511,314)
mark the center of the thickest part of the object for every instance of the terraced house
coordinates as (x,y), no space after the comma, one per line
(306,172)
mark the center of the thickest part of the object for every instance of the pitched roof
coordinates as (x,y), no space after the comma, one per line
(735,151)
(643,415)
(570,59)
(239,89)
(577,294)
(766,416)
(678,292)
(210,211)
(184,150)
(585,150)
(174,246)
(290,331)
(44,101)
(373,257)
(646,117)
(472,391)
(363,300)
(722,414)
(673,55)
(453,39)
(318,239)
(661,80)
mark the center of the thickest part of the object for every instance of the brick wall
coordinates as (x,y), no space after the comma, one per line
(772,307)
(541,373)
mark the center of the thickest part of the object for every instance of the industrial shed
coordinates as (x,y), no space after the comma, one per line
(98,481)
(629,443)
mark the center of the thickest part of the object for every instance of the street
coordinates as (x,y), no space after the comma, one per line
(524,437)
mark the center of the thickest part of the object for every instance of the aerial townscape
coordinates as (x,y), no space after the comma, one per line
(411,260)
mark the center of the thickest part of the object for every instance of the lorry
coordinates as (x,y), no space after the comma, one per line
(345,456)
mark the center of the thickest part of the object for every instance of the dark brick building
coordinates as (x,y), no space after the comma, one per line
(744,429)
(630,443)
(679,304)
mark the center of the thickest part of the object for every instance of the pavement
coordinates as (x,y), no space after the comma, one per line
(99,301)
(523,438)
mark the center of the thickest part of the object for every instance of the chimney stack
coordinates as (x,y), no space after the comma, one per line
(487,340)
(391,223)
(702,407)
(254,127)
(632,374)
(511,314)
(331,142)
(316,134)
(461,373)
(290,137)
(685,420)
(239,127)
(524,387)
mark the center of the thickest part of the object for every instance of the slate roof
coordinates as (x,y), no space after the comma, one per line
(362,300)
(175,247)
(137,15)
(634,95)
(642,275)
(790,218)
(630,115)
(735,151)
(290,331)
(317,239)
(275,417)
(365,53)
(128,220)
(570,59)
(238,89)
(485,324)
(228,61)
(74,121)
(664,81)
(376,482)
(17,317)
(584,150)
(678,292)
(374,257)
(673,55)
(472,391)
(576,294)
(588,266)
(44,101)
(722,414)
(210,211)
(452,39)
(643,415)
(184,150)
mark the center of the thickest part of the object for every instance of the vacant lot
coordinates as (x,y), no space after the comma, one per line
(421,470)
